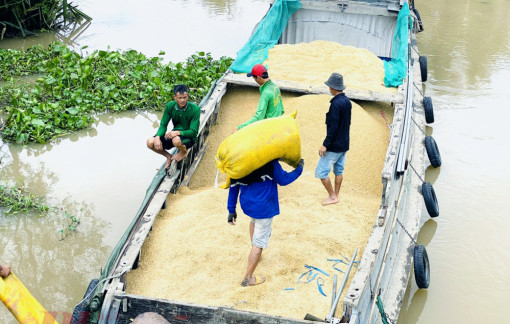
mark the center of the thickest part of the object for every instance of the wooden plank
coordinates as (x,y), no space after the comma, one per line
(384,8)
(210,105)
(142,228)
(355,94)
(174,311)
(194,166)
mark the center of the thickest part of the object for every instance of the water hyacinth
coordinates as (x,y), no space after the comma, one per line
(70,87)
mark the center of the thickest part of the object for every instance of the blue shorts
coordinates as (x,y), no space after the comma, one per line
(330,160)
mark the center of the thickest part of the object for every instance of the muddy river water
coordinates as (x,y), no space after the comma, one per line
(101,174)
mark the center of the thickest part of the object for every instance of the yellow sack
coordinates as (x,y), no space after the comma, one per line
(259,143)
(21,303)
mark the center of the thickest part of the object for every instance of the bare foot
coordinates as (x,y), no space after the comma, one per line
(168,162)
(252,281)
(179,156)
(329,201)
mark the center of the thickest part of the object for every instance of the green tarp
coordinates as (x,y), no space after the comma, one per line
(396,70)
(265,36)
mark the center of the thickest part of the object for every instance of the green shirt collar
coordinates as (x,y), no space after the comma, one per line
(181,109)
(262,87)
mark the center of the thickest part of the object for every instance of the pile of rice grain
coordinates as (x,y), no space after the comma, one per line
(193,255)
(360,68)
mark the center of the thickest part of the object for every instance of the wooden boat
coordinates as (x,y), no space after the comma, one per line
(381,279)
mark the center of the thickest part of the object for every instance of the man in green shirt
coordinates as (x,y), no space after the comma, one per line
(185,117)
(270,103)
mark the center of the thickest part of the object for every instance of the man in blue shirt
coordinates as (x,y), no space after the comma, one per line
(336,144)
(259,200)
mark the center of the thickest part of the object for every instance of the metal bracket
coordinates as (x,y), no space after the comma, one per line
(381,216)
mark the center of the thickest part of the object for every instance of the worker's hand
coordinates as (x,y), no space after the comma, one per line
(301,163)
(232,218)
(172,134)
(322,151)
(157,143)
(5,271)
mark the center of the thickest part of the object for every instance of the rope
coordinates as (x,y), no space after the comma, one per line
(419,90)
(384,317)
(94,289)
(405,230)
(416,172)
(418,126)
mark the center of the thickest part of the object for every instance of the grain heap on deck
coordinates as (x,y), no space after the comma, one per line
(193,255)
(360,68)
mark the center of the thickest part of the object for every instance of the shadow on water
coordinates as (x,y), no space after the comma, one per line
(427,232)
(432,174)
(413,309)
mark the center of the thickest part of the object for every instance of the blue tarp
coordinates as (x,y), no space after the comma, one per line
(266,35)
(395,70)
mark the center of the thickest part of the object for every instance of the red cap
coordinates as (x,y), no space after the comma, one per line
(258,70)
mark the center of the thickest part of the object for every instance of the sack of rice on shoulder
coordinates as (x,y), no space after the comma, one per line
(259,143)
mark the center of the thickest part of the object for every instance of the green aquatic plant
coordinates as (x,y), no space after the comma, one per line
(16,199)
(71,222)
(71,88)
(26,16)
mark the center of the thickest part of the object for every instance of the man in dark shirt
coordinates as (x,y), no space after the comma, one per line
(336,144)
(185,117)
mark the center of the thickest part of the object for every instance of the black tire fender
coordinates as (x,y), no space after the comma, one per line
(429,196)
(417,13)
(419,23)
(433,151)
(421,267)
(423,68)
(429,110)
(82,310)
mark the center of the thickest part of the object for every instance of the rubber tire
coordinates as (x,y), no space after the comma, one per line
(433,151)
(417,13)
(421,267)
(81,312)
(429,110)
(429,196)
(420,23)
(423,68)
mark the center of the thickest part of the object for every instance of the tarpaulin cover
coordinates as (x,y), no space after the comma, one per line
(395,70)
(265,36)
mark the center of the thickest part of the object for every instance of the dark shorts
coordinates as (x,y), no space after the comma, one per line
(167,143)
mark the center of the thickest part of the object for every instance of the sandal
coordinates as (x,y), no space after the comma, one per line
(258,281)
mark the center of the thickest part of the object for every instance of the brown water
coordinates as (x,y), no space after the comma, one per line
(105,170)
(467,44)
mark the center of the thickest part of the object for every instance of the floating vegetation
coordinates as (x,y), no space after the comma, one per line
(16,199)
(73,87)
(71,222)
(25,16)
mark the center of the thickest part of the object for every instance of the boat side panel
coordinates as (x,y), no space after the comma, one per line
(374,33)
(179,312)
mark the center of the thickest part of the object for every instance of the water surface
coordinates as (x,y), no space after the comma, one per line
(102,173)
